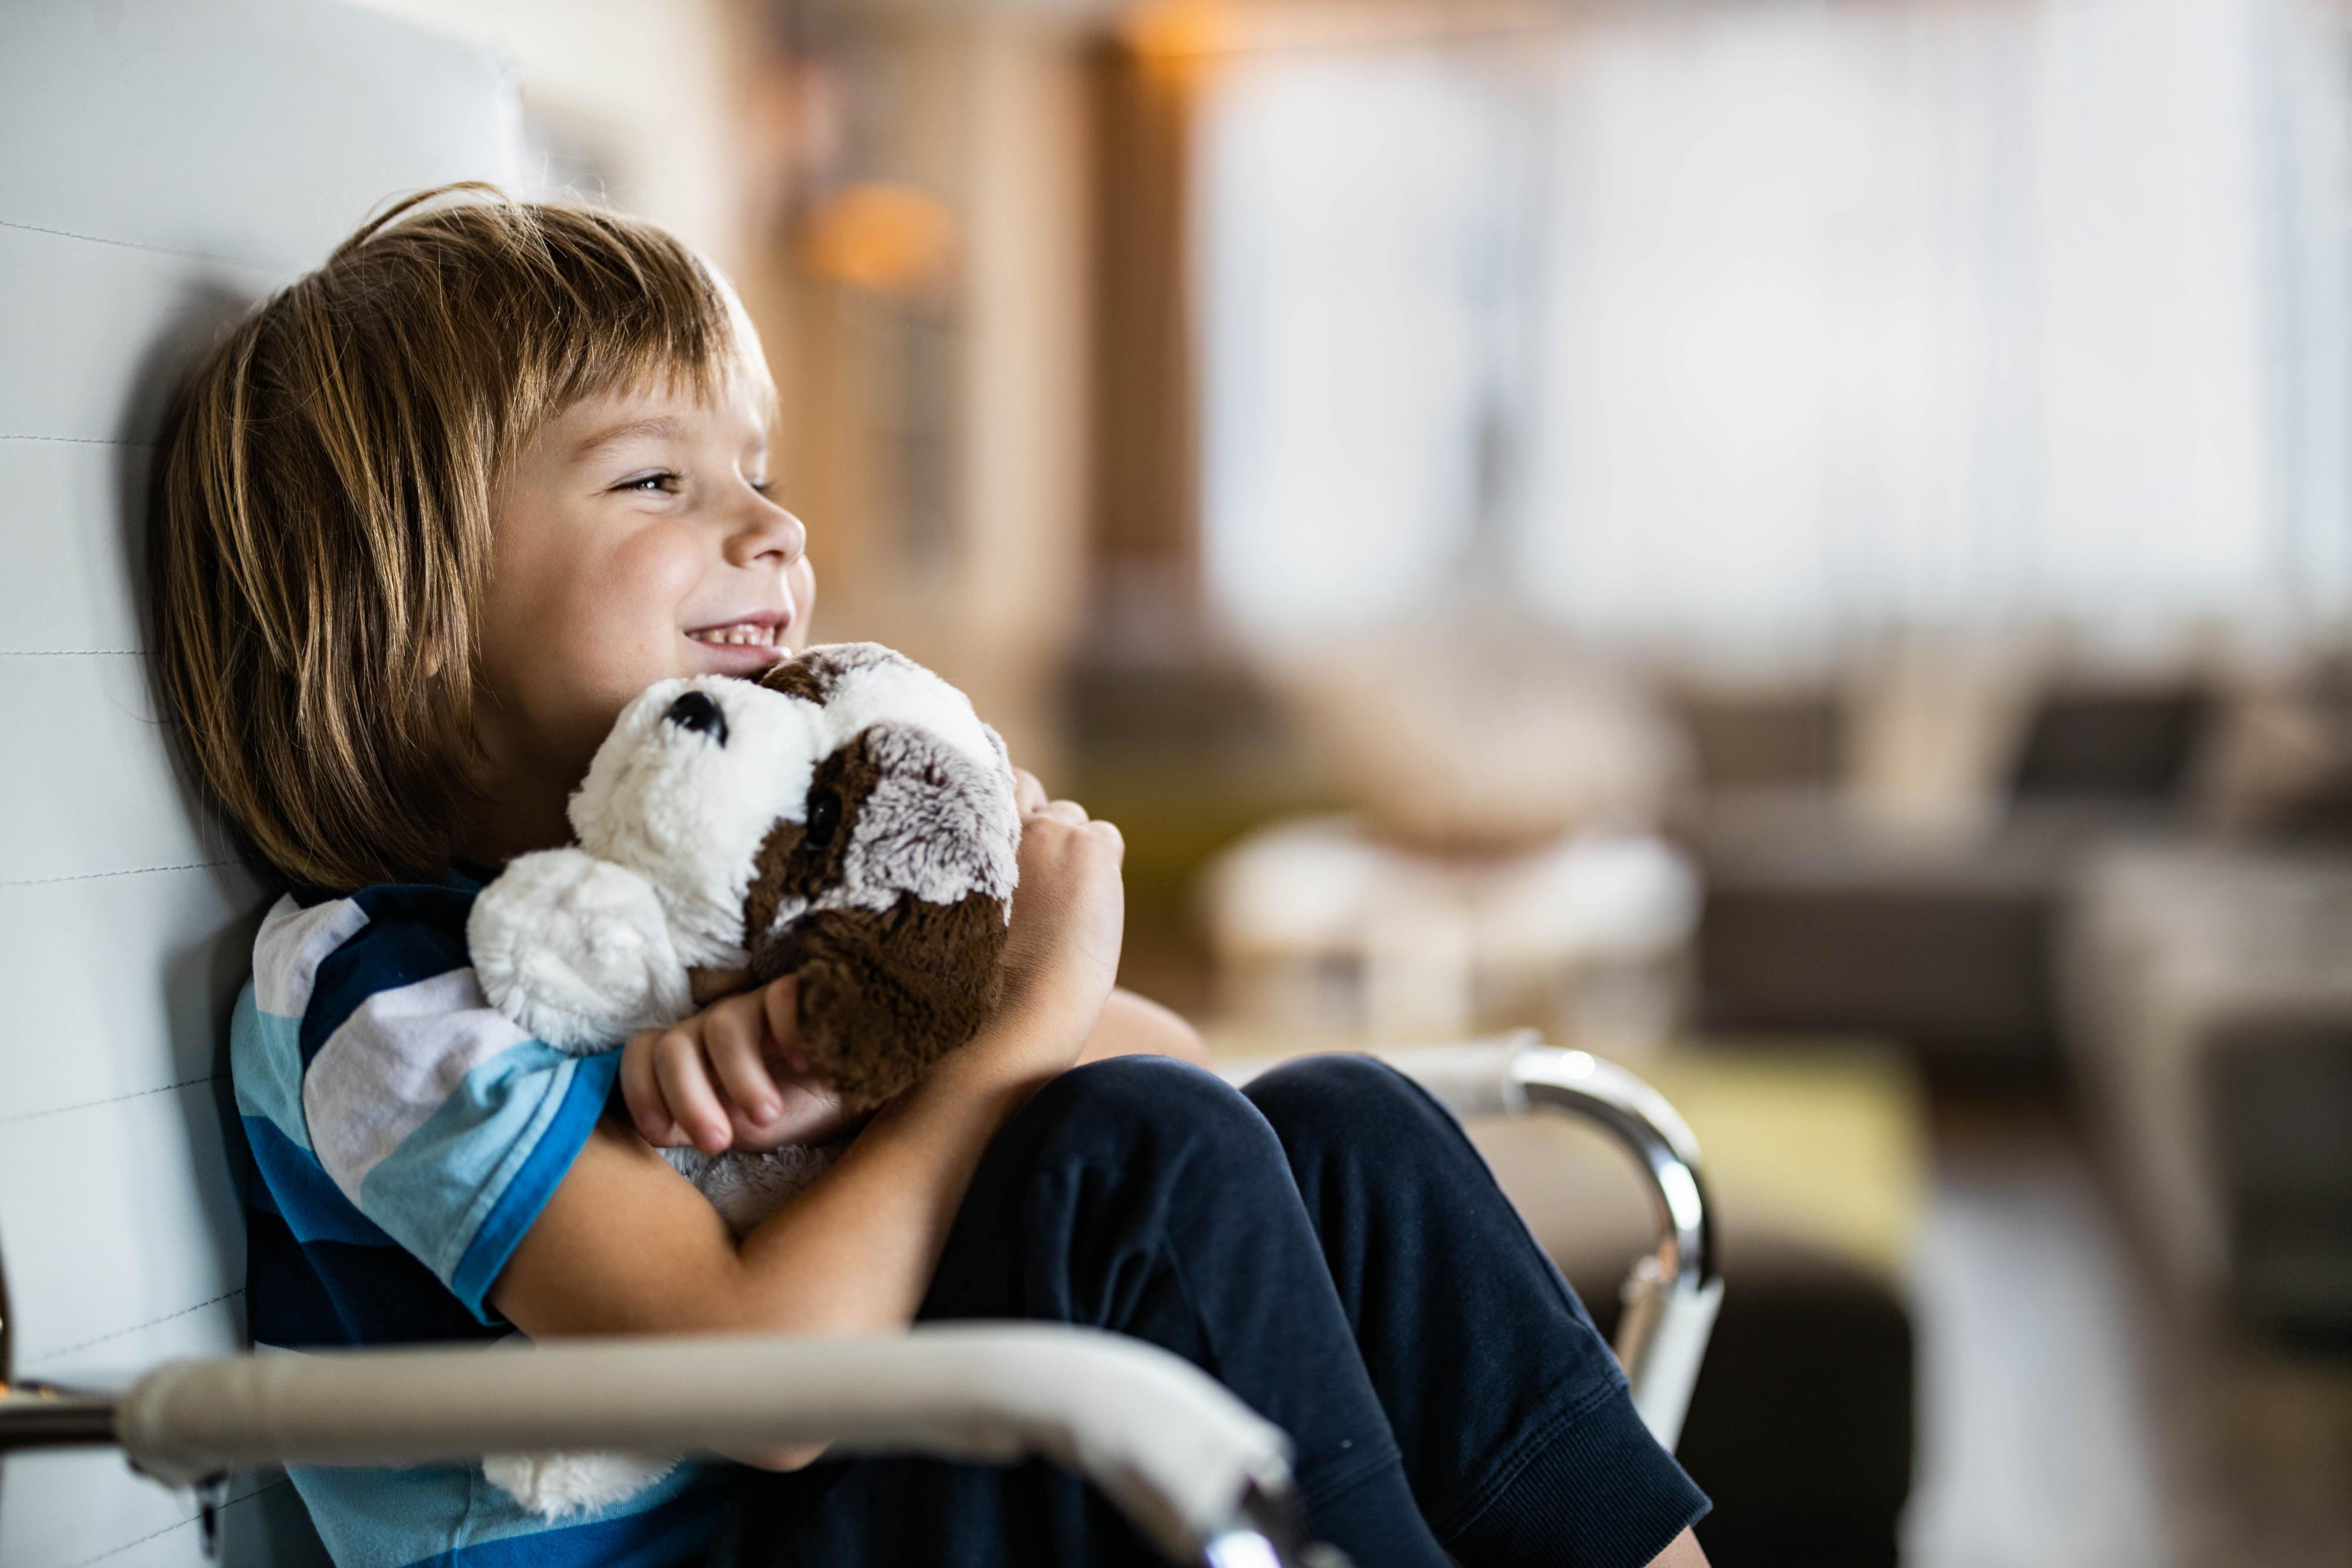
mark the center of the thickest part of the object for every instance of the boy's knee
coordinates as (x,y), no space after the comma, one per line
(1132,1106)
(1357,1097)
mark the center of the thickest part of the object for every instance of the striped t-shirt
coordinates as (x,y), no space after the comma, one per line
(404,1137)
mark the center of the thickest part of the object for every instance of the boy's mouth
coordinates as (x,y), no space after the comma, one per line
(743,647)
(741,635)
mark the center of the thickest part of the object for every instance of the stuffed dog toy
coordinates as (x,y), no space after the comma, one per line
(847,820)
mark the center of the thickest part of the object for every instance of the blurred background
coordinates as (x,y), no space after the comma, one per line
(1805,547)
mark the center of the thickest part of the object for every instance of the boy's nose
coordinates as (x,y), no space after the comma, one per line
(769,533)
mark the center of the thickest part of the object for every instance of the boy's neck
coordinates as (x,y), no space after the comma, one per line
(516,811)
(505,828)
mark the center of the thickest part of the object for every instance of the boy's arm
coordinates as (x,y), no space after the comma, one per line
(1681,1551)
(625,1245)
(1132,1025)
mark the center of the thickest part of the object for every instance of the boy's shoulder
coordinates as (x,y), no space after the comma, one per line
(318,954)
(404,1099)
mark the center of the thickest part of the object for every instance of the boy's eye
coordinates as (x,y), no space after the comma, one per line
(662,482)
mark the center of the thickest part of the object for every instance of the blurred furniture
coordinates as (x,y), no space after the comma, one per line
(1321,929)
(2210,998)
(1819,916)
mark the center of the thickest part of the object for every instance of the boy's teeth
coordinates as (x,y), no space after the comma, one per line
(738,636)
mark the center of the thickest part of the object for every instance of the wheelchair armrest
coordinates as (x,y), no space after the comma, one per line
(1196,1470)
(1673,1294)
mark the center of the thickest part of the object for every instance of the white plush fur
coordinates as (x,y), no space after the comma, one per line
(576,951)
(688,813)
(554,1485)
(586,946)
(897,690)
(913,834)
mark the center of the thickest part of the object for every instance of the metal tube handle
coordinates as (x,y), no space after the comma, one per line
(1672,1296)
(1187,1463)
(1673,1293)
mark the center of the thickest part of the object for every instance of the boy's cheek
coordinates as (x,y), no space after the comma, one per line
(800,581)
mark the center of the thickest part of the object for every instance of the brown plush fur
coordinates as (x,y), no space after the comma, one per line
(811,675)
(885,994)
(797,863)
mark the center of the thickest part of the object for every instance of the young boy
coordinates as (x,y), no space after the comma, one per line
(429,519)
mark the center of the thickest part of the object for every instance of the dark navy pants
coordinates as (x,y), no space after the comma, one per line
(1329,1246)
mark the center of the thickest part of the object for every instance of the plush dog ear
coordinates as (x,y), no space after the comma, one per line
(885,994)
(813,673)
(576,951)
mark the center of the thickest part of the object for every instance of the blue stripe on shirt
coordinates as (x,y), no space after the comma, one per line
(526,1193)
(478,1145)
(438,1190)
(413,934)
(679,1531)
(320,1295)
(269,1085)
(298,1189)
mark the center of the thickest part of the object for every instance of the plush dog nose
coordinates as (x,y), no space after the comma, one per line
(697,712)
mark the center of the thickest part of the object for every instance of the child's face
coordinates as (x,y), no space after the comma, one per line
(633,541)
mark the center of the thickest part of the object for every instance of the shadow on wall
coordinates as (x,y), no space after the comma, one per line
(198,981)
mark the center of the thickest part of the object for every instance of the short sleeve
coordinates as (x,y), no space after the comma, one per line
(443,1122)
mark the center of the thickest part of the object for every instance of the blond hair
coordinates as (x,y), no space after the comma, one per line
(322,532)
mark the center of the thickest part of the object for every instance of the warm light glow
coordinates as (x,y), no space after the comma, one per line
(1170,30)
(890,239)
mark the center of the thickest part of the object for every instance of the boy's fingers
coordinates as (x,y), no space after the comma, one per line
(642,1095)
(686,1087)
(781,1002)
(1027,793)
(735,1037)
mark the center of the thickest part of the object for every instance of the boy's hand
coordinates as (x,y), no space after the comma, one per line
(1061,952)
(731,1077)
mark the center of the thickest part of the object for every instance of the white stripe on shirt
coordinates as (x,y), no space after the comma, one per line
(386,1071)
(291,945)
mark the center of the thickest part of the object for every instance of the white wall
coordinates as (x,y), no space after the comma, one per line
(651,88)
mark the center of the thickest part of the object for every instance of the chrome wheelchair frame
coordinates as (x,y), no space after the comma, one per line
(1197,1472)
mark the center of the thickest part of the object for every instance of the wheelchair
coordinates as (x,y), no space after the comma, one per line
(170,160)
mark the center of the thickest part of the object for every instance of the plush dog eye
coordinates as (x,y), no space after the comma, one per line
(695,711)
(824,817)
